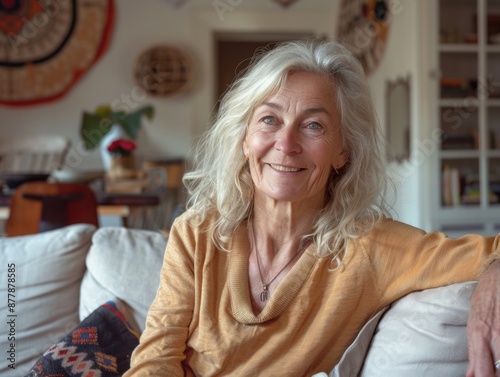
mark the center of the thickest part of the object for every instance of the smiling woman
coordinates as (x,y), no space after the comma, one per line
(293,142)
(287,232)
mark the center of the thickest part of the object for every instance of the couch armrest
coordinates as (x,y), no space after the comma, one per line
(423,334)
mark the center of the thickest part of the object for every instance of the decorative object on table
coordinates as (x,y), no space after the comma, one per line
(164,71)
(46,47)
(153,180)
(363,28)
(106,125)
(122,159)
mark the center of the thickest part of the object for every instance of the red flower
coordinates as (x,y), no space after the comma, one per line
(121,147)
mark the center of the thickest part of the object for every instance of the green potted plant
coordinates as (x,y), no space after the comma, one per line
(96,125)
(106,125)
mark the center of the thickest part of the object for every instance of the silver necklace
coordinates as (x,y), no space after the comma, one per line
(265,294)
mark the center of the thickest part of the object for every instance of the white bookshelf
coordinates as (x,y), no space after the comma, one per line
(467,115)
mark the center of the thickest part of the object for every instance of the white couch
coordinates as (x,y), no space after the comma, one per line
(58,278)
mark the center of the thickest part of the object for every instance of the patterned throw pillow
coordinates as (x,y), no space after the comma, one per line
(100,346)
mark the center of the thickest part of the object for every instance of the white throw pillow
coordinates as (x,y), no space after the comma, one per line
(125,264)
(423,334)
(43,275)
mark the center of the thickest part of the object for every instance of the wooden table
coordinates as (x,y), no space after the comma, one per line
(121,205)
(109,204)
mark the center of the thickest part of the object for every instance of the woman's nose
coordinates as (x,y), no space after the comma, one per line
(287,140)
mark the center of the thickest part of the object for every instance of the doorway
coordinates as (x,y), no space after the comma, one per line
(234,51)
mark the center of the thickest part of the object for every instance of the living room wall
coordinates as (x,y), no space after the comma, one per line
(137,27)
(192,26)
(403,58)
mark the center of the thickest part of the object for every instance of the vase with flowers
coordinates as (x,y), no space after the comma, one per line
(106,124)
(122,163)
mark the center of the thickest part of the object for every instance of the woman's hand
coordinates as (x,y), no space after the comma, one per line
(484,325)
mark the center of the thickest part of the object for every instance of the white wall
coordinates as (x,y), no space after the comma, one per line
(138,26)
(403,58)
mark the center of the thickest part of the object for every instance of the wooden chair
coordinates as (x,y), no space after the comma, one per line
(40,206)
(33,154)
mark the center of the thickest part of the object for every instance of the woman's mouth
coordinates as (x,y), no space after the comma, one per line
(285,168)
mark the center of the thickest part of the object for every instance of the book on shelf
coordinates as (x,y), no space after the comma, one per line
(464,139)
(471,192)
(451,186)
(456,87)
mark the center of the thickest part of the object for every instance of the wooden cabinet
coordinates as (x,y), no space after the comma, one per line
(467,116)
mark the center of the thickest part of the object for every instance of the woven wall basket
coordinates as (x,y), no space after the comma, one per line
(164,71)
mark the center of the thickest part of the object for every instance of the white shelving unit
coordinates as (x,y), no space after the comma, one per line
(467,167)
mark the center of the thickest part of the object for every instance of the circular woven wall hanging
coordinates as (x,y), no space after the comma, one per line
(164,71)
(46,46)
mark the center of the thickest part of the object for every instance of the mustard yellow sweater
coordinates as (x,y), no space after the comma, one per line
(202,324)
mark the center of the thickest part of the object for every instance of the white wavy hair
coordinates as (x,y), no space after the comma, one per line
(220,181)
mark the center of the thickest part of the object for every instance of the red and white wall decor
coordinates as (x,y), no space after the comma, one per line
(47,46)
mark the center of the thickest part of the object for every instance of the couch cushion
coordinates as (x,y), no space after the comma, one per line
(423,334)
(101,345)
(125,264)
(45,271)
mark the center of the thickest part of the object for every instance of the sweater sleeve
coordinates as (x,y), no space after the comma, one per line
(162,345)
(406,259)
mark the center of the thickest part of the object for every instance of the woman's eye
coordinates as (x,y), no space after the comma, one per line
(269,120)
(314,126)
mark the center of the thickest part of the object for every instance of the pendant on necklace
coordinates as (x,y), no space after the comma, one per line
(264,295)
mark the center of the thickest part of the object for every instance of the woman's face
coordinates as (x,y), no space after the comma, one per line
(293,140)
